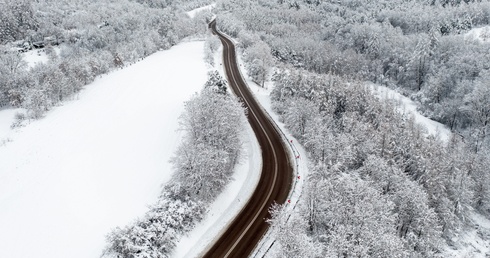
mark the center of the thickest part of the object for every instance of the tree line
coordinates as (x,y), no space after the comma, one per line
(416,47)
(377,185)
(203,165)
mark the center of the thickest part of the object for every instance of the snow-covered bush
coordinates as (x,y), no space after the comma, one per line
(216,83)
(290,230)
(19,119)
(156,233)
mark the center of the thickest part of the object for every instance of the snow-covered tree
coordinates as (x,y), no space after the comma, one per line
(156,234)
(259,60)
(17,20)
(212,121)
(216,83)
(210,47)
(12,72)
(290,231)
(354,219)
(416,222)
(478,107)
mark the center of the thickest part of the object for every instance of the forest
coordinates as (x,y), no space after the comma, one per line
(378,185)
(83,39)
(400,44)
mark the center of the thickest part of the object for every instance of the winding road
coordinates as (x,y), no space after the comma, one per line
(246,230)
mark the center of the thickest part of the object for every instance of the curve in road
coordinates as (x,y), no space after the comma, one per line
(246,230)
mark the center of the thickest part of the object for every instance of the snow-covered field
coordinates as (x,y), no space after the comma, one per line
(96,162)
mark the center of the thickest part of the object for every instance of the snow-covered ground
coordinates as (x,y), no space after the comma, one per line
(193,13)
(481,34)
(34,57)
(96,162)
(38,56)
(408,107)
(473,241)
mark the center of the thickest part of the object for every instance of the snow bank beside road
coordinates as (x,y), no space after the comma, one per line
(97,162)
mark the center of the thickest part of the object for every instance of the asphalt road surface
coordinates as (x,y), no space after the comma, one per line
(246,230)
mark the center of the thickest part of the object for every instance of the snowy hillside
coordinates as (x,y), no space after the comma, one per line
(95,162)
